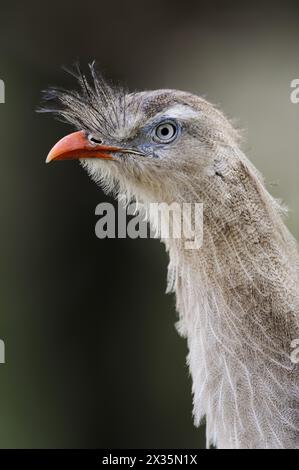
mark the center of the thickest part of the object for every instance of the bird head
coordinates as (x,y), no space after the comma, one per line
(152,145)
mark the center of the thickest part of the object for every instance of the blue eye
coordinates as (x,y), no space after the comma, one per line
(165,132)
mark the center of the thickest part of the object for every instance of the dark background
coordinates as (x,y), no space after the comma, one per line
(92,355)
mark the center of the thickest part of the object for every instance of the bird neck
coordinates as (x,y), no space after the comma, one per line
(237,298)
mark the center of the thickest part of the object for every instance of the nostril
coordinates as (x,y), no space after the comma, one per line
(94,140)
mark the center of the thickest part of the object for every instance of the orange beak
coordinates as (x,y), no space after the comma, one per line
(76,145)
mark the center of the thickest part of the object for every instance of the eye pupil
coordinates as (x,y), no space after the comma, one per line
(165,131)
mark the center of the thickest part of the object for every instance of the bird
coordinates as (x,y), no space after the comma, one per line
(237,297)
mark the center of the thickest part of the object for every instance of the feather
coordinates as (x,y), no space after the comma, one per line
(237,297)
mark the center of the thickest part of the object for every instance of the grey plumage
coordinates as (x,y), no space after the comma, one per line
(96,107)
(237,297)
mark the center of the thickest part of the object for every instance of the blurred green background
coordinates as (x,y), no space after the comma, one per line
(93,358)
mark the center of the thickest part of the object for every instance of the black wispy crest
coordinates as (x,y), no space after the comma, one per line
(97,106)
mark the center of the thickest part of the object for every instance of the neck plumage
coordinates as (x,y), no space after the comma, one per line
(238,305)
